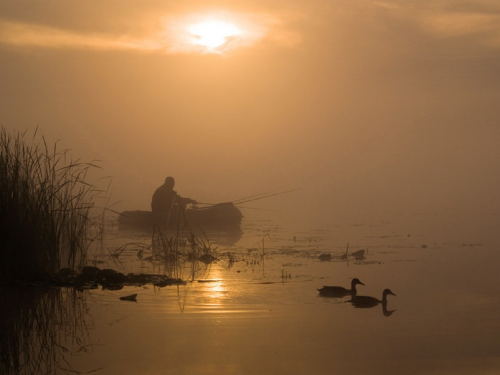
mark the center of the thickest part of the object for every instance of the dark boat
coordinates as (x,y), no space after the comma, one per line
(224,216)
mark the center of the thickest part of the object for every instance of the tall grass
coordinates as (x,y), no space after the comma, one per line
(45,205)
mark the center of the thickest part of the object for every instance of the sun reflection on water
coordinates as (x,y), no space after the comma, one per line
(216,290)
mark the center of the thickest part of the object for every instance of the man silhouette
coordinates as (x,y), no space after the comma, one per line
(165,198)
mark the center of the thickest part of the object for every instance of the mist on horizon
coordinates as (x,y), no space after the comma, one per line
(366,107)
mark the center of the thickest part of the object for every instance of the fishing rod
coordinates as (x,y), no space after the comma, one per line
(251,198)
(259,209)
(267,196)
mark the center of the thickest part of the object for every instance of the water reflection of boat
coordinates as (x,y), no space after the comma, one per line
(220,222)
(225,237)
(338,291)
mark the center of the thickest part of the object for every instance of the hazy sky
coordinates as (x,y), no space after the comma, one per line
(368,106)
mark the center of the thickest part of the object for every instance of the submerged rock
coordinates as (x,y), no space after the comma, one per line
(207,258)
(167,282)
(92,277)
(325,257)
(90,273)
(110,276)
(66,272)
(132,297)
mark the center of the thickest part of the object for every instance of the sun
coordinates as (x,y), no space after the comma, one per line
(213,34)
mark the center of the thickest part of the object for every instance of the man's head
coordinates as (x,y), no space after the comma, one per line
(169,181)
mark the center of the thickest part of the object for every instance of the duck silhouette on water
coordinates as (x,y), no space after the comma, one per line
(367,301)
(338,291)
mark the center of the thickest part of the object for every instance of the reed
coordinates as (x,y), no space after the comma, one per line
(180,249)
(45,206)
(169,251)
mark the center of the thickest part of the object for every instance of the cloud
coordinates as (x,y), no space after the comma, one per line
(483,26)
(28,35)
(478,20)
(168,34)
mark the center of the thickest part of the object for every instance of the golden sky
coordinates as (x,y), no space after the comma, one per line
(365,105)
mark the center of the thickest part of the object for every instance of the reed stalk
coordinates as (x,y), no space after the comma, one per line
(181,248)
(45,206)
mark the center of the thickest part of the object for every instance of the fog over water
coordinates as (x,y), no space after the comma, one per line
(379,118)
(370,107)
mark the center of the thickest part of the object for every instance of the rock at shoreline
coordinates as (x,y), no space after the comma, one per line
(92,277)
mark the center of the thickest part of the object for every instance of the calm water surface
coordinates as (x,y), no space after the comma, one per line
(263,314)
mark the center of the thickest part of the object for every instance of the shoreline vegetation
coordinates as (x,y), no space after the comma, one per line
(45,206)
(47,223)
(45,227)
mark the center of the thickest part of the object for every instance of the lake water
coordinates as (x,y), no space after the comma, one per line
(260,312)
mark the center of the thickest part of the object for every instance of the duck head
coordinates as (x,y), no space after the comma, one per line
(388,292)
(356,282)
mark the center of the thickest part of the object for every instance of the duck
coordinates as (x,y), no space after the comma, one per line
(338,291)
(367,301)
